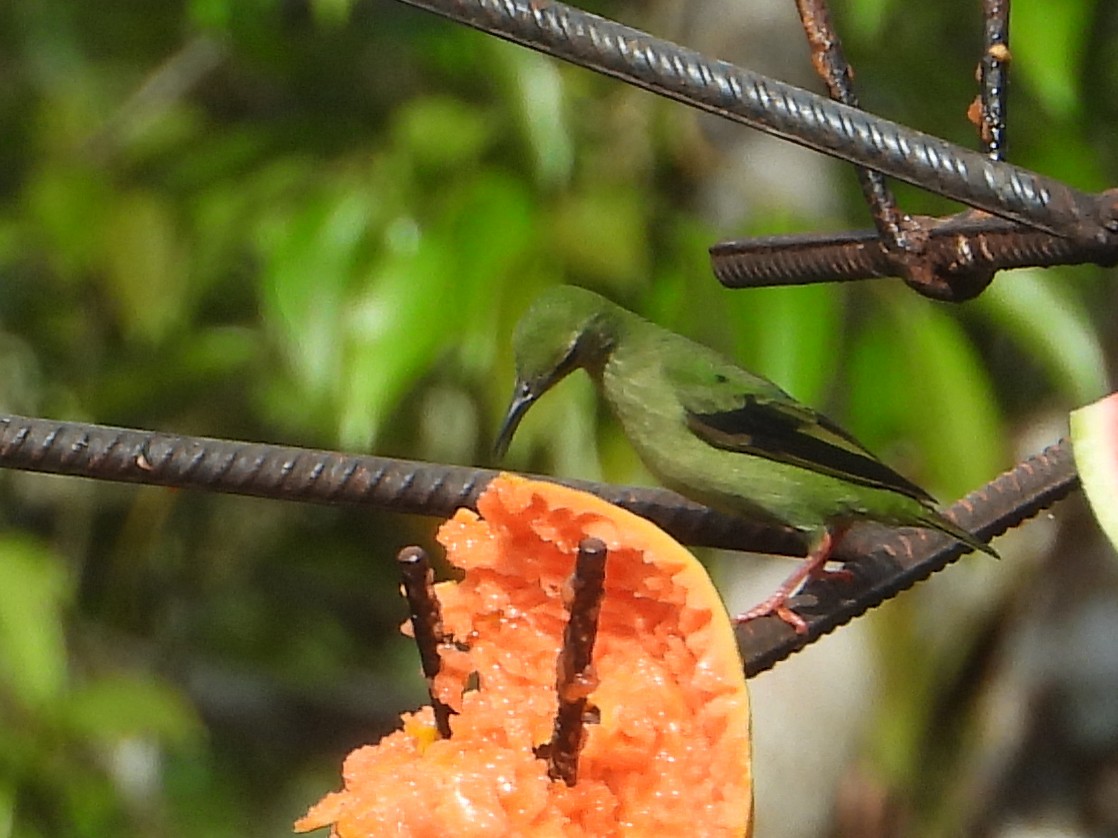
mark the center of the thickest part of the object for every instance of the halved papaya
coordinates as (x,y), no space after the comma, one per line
(669,752)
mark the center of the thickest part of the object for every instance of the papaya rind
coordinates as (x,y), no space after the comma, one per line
(1094,439)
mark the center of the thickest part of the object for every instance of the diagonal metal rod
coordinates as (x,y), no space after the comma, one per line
(302,474)
(790,113)
(993,73)
(903,239)
(829,60)
(888,561)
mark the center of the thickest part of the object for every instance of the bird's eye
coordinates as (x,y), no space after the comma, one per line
(525,389)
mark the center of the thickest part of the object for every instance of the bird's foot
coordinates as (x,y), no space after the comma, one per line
(814,567)
(775,604)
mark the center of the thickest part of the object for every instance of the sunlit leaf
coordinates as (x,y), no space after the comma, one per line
(34,588)
(1048,50)
(391,332)
(440,131)
(536,91)
(493,227)
(950,405)
(145,263)
(309,262)
(794,336)
(1040,311)
(112,707)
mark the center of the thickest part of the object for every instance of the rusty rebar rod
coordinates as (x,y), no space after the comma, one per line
(962,242)
(575,678)
(302,474)
(993,77)
(427,625)
(829,60)
(884,561)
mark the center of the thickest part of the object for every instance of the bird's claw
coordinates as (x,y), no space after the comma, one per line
(776,605)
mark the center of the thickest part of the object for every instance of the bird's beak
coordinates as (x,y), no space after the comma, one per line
(523,398)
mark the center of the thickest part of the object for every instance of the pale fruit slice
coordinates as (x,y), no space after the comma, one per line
(1094,439)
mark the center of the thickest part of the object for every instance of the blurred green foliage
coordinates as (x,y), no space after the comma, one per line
(315,222)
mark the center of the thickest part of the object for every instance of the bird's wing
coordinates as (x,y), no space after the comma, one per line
(734,410)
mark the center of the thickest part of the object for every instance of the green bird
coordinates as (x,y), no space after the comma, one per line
(714,432)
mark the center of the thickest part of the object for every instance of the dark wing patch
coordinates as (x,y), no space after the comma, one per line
(764,430)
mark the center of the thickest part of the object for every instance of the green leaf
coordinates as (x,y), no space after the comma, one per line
(1049,41)
(209,14)
(66,207)
(329,13)
(535,88)
(118,706)
(1041,312)
(7,809)
(442,132)
(145,266)
(794,335)
(1094,435)
(391,332)
(864,19)
(492,225)
(34,588)
(602,234)
(310,254)
(950,401)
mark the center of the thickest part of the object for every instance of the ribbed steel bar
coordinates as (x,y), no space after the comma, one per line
(829,60)
(575,676)
(993,74)
(888,561)
(425,615)
(883,561)
(788,112)
(956,244)
(302,474)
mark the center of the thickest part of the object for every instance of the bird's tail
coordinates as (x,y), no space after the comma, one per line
(937,522)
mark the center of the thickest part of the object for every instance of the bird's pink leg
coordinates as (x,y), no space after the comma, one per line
(814,567)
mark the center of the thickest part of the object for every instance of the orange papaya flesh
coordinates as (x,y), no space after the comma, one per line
(670,751)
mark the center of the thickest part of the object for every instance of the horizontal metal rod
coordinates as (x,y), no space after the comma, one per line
(302,474)
(883,561)
(955,244)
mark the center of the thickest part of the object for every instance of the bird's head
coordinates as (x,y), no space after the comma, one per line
(564,329)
